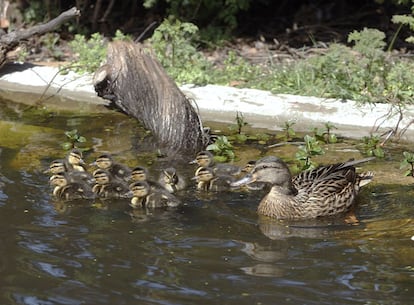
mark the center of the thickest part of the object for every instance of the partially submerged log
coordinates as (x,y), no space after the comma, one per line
(11,40)
(135,82)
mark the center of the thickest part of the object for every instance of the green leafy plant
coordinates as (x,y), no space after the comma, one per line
(372,147)
(240,123)
(174,44)
(223,149)
(73,139)
(289,133)
(305,152)
(408,161)
(326,134)
(90,53)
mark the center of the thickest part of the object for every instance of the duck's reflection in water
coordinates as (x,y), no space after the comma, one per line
(270,257)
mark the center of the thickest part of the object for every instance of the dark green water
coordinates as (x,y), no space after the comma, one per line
(211,250)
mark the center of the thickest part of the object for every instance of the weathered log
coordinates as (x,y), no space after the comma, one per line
(135,82)
(11,40)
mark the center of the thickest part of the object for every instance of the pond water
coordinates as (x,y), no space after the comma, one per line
(214,249)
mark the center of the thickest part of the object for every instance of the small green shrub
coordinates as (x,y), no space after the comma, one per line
(73,139)
(174,44)
(408,161)
(371,146)
(223,149)
(305,152)
(89,53)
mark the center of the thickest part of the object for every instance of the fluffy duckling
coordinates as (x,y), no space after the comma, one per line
(70,190)
(324,191)
(117,170)
(208,180)
(74,161)
(108,187)
(206,159)
(254,186)
(58,166)
(144,196)
(171,180)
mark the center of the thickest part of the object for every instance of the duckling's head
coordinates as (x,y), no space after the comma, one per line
(139,189)
(249,166)
(170,176)
(203,174)
(101,176)
(104,161)
(58,180)
(270,170)
(204,159)
(75,157)
(139,173)
(56,167)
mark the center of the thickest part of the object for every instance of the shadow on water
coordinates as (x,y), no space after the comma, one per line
(212,249)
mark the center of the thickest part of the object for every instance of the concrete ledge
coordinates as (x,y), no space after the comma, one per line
(23,83)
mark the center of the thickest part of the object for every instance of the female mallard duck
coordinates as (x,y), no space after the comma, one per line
(324,191)
(117,170)
(171,180)
(144,196)
(67,190)
(206,159)
(108,187)
(208,180)
(74,161)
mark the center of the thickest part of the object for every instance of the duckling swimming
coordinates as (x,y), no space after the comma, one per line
(74,161)
(206,159)
(171,180)
(108,187)
(208,180)
(58,167)
(70,190)
(146,197)
(324,191)
(117,170)
(254,186)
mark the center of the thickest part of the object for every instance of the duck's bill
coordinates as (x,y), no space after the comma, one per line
(243,181)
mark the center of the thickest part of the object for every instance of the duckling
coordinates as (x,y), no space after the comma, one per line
(206,159)
(74,161)
(325,191)
(208,180)
(69,190)
(144,196)
(108,187)
(117,170)
(254,186)
(140,173)
(171,180)
(58,167)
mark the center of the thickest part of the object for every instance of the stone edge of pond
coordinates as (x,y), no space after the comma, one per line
(261,109)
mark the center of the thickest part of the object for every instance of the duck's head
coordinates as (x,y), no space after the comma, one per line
(204,159)
(139,173)
(104,161)
(139,189)
(270,170)
(75,157)
(169,176)
(249,166)
(203,174)
(101,176)
(56,167)
(58,180)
